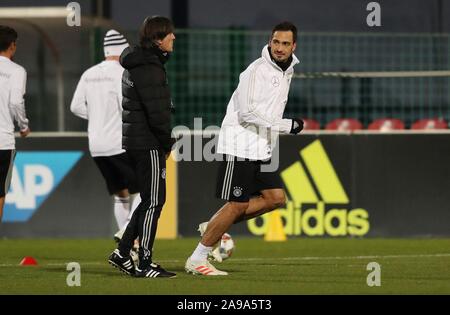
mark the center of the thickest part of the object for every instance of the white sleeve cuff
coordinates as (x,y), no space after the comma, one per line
(285,126)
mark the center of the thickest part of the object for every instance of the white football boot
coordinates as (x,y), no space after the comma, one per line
(204,268)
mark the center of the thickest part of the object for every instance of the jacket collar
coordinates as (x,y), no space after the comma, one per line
(162,55)
(266,55)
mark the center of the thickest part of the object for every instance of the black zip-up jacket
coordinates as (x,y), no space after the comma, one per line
(146,101)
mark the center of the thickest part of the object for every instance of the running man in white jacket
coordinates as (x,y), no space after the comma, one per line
(13,80)
(98,98)
(254,112)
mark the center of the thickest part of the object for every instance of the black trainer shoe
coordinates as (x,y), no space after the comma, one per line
(124,264)
(154,271)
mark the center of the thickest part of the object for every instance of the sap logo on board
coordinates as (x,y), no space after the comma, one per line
(35,176)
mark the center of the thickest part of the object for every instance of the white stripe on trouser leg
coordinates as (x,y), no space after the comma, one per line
(156,192)
(226,177)
(230,176)
(227,196)
(232,171)
(156,179)
(154,200)
(145,233)
(146,217)
(148,214)
(158,175)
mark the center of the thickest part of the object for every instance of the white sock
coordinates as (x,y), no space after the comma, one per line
(121,210)
(135,201)
(201,252)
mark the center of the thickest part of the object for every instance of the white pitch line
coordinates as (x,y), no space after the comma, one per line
(365,257)
(96,263)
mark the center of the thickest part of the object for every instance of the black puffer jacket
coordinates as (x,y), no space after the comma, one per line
(146,101)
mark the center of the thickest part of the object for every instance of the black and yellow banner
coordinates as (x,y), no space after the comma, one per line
(358,185)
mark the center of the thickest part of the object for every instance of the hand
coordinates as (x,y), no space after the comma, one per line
(25,132)
(297,126)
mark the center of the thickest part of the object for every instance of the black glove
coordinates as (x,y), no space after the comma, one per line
(297,126)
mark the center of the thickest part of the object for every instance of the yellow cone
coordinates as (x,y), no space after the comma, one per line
(275,229)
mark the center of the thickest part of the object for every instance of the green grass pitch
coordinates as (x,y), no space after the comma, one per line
(298,266)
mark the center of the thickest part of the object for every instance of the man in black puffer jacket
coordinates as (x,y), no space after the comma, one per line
(147,139)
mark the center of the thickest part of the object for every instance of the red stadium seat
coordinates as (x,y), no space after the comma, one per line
(387,124)
(430,124)
(344,124)
(310,124)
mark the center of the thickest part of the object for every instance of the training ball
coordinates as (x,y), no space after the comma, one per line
(224,249)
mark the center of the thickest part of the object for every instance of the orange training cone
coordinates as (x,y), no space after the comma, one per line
(28,261)
(275,230)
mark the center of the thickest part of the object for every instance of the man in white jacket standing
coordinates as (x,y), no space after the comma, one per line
(254,112)
(98,98)
(13,79)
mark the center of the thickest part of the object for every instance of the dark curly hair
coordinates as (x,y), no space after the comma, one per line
(154,28)
(286,26)
(7,36)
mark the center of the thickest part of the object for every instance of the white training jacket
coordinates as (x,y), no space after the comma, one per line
(255,111)
(13,80)
(98,98)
